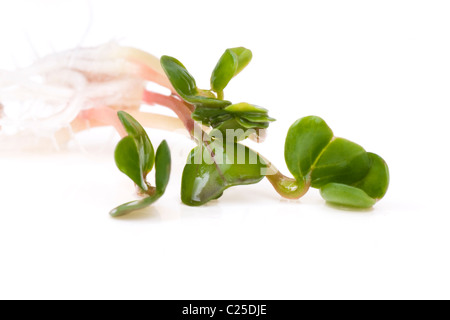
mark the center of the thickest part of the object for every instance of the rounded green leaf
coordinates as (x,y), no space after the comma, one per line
(185,86)
(128,161)
(224,71)
(213,169)
(231,63)
(162,167)
(376,182)
(306,140)
(144,145)
(342,161)
(182,81)
(345,195)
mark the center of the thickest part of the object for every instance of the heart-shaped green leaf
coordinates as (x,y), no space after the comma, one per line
(213,168)
(342,161)
(143,143)
(345,195)
(306,140)
(376,182)
(344,171)
(128,161)
(231,63)
(185,85)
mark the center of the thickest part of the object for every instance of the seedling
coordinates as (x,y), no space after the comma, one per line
(105,86)
(135,157)
(344,172)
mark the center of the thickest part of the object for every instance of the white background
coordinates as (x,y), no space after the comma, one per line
(377,71)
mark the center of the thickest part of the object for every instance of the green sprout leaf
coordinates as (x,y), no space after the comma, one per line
(376,182)
(178,75)
(241,116)
(135,157)
(128,161)
(342,161)
(306,140)
(132,206)
(162,167)
(344,172)
(232,62)
(185,85)
(162,175)
(347,196)
(143,143)
(213,168)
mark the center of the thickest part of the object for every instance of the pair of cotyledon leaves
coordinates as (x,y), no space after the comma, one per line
(135,157)
(344,172)
(210,108)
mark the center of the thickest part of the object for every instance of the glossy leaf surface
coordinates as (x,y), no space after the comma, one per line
(231,63)
(343,170)
(185,85)
(342,161)
(213,169)
(346,195)
(162,167)
(143,143)
(243,116)
(129,207)
(306,140)
(183,82)
(135,157)
(376,182)
(128,161)
(162,174)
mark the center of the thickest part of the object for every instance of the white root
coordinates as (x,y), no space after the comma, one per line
(51,94)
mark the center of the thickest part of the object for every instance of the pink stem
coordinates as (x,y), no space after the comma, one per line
(104,116)
(173,103)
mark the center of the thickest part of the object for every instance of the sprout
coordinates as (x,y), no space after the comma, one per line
(107,85)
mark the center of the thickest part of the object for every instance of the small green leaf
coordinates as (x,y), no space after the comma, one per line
(345,195)
(213,169)
(342,161)
(205,102)
(143,143)
(242,116)
(244,108)
(128,161)
(244,57)
(162,167)
(129,207)
(306,140)
(181,79)
(376,182)
(230,64)
(162,174)
(184,84)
